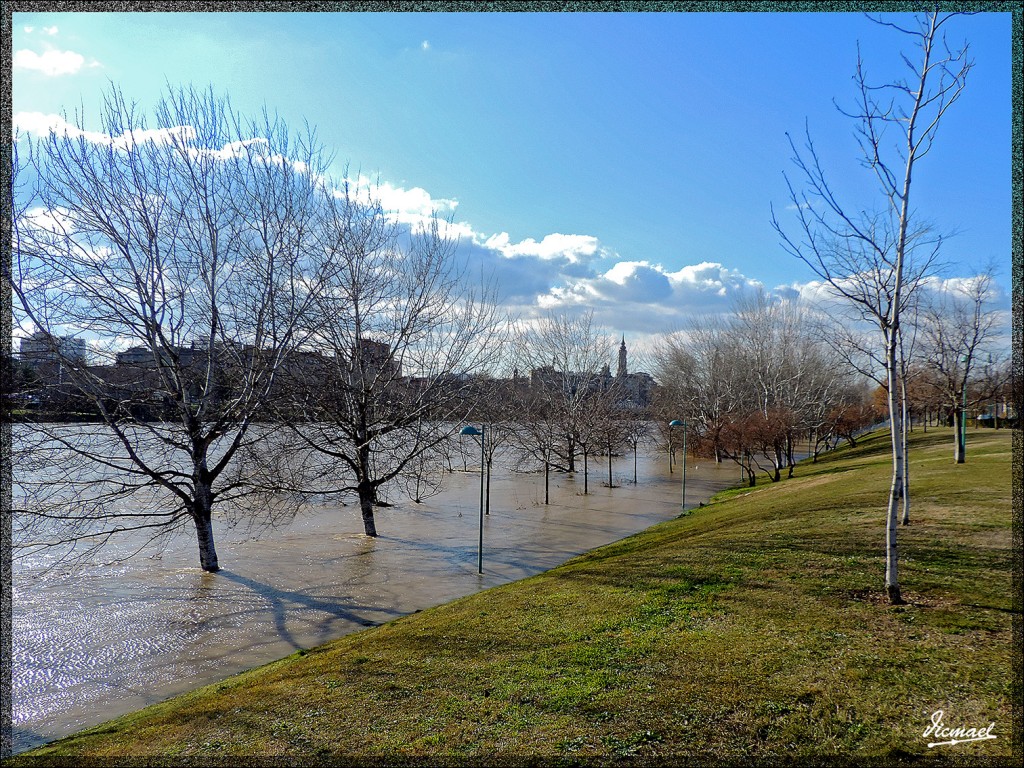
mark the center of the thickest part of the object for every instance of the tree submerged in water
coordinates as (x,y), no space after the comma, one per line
(173,248)
(249,323)
(402,339)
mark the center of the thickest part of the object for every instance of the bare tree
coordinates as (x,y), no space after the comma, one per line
(599,428)
(498,407)
(635,428)
(567,362)
(173,249)
(400,337)
(752,386)
(958,331)
(866,258)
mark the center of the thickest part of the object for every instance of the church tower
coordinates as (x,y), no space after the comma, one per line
(622,359)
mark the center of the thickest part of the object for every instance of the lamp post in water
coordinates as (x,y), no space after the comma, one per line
(678,423)
(480,546)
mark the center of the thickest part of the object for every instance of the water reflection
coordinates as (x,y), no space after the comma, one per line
(113,639)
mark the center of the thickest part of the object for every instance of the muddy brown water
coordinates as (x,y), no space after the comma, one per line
(113,639)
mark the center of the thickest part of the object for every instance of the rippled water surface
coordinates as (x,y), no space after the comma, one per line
(112,639)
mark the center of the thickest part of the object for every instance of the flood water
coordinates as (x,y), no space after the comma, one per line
(112,639)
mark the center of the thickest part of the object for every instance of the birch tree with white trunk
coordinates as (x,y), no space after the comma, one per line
(865,257)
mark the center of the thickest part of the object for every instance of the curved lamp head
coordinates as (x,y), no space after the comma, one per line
(675,423)
(470,431)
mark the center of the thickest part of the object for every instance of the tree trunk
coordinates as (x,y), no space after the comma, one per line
(366,499)
(547,473)
(905,415)
(204,533)
(202,511)
(610,466)
(892,584)
(586,472)
(959,451)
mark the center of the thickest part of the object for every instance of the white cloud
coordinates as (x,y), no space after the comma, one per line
(559,271)
(411,205)
(51,31)
(41,124)
(51,63)
(710,278)
(231,149)
(153,135)
(414,208)
(55,221)
(29,30)
(562,272)
(425,45)
(644,298)
(962,286)
(572,248)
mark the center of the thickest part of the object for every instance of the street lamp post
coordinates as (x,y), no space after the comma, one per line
(678,423)
(480,545)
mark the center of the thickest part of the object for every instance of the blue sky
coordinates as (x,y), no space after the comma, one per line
(625,162)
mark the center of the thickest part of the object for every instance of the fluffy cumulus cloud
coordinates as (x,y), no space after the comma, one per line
(646,298)
(572,272)
(533,275)
(51,63)
(410,205)
(414,209)
(40,124)
(996,295)
(574,249)
(821,293)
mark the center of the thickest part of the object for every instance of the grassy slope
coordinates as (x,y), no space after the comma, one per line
(754,627)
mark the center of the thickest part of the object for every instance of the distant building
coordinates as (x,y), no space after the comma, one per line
(135,357)
(41,348)
(374,358)
(142,357)
(633,390)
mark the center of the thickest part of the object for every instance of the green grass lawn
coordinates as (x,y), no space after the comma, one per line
(755,627)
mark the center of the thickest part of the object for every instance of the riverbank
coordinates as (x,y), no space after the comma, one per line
(115,638)
(754,627)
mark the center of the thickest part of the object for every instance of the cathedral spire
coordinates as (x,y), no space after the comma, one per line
(622,358)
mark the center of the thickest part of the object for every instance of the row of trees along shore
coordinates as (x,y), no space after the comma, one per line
(269,335)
